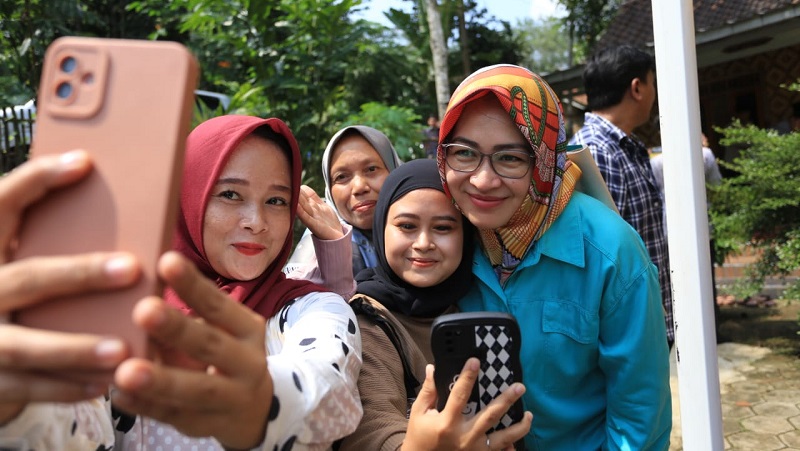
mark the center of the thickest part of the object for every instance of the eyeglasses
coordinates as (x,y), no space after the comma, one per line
(511,164)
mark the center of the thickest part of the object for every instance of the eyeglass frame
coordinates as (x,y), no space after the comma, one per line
(532,157)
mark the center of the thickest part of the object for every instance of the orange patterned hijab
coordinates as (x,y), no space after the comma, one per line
(536,110)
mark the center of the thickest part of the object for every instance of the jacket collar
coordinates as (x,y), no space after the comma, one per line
(563,241)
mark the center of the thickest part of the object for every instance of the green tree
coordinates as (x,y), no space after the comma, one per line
(27,27)
(308,62)
(313,64)
(489,40)
(394,122)
(545,45)
(585,22)
(761,205)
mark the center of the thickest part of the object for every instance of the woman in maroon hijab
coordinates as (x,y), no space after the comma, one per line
(285,377)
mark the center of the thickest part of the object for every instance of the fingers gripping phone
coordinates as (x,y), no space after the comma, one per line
(494,338)
(128,104)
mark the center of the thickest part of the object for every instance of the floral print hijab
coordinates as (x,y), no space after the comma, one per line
(536,110)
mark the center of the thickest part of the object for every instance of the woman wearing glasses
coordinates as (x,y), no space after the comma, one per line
(576,276)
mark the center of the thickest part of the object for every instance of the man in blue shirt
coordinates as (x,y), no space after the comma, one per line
(621,89)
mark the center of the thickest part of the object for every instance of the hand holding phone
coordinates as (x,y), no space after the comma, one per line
(430,429)
(127,104)
(494,339)
(40,365)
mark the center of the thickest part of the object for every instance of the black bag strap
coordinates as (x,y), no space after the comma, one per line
(361,306)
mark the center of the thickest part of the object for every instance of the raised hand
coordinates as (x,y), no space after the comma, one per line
(212,378)
(429,429)
(317,215)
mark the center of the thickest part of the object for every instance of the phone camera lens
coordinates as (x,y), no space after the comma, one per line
(68,64)
(63,90)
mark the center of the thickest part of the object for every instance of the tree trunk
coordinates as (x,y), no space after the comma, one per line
(571,54)
(439,52)
(463,39)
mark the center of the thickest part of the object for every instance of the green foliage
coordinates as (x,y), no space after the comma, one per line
(545,45)
(309,62)
(27,27)
(586,20)
(12,92)
(245,100)
(760,206)
(401,125)
(793,86)
(490,42)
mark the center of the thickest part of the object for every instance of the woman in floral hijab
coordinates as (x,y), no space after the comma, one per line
(574,274)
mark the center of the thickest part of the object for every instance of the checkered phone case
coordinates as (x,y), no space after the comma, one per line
(496,343)
(493,338)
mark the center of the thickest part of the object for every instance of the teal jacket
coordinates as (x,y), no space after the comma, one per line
(595,362)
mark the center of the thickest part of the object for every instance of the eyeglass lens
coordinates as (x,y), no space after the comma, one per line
(506,163)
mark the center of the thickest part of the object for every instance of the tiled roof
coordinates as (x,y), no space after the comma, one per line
(634,24)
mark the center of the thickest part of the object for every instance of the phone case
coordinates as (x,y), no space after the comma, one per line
(128,103)
(492,337)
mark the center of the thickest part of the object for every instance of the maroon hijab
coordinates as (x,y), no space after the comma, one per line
(208,148)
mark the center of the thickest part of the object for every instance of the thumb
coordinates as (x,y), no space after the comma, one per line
(426,399)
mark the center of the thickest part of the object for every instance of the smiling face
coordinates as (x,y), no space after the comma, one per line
(247,218)
(357,174)
(486,199)
(424,237)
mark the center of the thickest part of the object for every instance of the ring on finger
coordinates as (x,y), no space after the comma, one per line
(488,442)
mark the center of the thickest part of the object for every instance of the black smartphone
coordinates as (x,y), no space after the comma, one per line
(493,338)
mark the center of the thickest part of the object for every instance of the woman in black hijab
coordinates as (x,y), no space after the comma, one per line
(424,249)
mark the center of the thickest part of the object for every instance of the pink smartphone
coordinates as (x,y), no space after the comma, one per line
(128,104)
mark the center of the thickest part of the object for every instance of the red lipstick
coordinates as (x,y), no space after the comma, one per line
(249,249)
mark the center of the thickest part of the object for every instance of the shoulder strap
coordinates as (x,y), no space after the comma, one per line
(361,307)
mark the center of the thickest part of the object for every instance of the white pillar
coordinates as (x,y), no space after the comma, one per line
(687,224)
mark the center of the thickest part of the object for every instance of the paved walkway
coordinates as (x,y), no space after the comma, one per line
(760,394)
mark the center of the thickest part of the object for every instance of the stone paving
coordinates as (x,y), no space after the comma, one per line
(760,396)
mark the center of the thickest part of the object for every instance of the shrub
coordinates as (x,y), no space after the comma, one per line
(760,205)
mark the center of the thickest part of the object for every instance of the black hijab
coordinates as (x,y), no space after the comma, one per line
(381,283)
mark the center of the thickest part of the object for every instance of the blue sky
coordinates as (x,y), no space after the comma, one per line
(509,10)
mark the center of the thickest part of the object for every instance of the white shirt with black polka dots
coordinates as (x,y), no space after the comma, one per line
(314,358)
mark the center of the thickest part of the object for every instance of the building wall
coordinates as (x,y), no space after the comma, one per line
(750,89)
